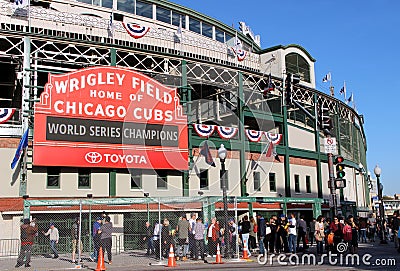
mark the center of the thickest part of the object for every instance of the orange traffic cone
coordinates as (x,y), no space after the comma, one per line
(218,258)
(100,261)
(245,255)
(171,257)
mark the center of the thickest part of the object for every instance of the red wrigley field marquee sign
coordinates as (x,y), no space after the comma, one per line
(112,118)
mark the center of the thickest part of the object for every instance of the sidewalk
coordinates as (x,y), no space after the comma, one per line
(136,260)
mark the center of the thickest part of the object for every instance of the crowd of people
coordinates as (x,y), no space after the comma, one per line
(193,239)
(278,234)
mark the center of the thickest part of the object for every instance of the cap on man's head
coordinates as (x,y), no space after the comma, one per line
(51,224)
(108,219)
(99,218)
(27,221)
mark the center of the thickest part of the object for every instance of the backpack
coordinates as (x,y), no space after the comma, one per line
(347,233)
(330,238)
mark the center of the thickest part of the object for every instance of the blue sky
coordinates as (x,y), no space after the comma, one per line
(357,41)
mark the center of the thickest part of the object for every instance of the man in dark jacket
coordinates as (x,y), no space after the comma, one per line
(28,233)
(261,232)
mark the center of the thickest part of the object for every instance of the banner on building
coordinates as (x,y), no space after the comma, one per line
(112,118)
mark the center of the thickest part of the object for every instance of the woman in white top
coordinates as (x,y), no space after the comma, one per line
(319,234)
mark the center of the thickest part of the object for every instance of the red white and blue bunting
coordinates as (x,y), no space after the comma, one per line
(207,130)
(204,130)
(6,114)
(253,136)
(136,31)
(227,132)
(273,138)
(240,54)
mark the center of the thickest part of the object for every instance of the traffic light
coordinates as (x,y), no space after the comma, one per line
(291,81)
(339,167)
(325,121)
(339,181)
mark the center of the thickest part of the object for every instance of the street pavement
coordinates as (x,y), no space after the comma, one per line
(372,256)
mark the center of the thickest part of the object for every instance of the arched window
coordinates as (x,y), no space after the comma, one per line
(295,63)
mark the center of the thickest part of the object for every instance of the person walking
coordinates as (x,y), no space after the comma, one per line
(354,234)
(213,236)
(149,238)
(106,237)
(198,230)
(96,240)
(246,234)
(337,229)
(76,242)
(183,229)
(371,222)
(301,232)
(363,230)
(311,233)
(253,234)
(281,244)
(54,237)
(28,233)
(166,238)
(157,239)
(319,234)
(292,234)
(261,233)
(192,242)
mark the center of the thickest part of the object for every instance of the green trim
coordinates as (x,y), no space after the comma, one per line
(243,188)
(286,147)
(318,150)
(113,56)
(112,183)
(284,47)
(187,98)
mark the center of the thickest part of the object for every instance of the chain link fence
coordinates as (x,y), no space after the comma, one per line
(143,229)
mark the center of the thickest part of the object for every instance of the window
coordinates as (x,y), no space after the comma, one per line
(206,30)
(162,180)
(272,182)
(223,178)
(125,5)
(297,183)
(136,179)
(144,9)
(308,184)
(176,17)
(204,179)
(194,25)
(295,63)
(219,35)
(107,3)
(53,177)
(163,15)
(256,181)
(103,3)
(84,178)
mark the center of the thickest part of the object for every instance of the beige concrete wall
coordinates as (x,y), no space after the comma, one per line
(301,139)
(9,178)
(303,171)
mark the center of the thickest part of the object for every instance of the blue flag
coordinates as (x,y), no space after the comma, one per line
(22,145)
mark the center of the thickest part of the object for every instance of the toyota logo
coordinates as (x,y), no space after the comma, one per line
(93,157)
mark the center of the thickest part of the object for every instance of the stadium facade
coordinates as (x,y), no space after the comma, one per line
(217,75)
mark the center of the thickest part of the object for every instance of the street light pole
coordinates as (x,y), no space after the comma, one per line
(378,171)
(222,155)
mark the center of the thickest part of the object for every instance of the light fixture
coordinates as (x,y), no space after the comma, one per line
(200,193)
(377,171)
(222,152)
(146,194)
(89,196)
